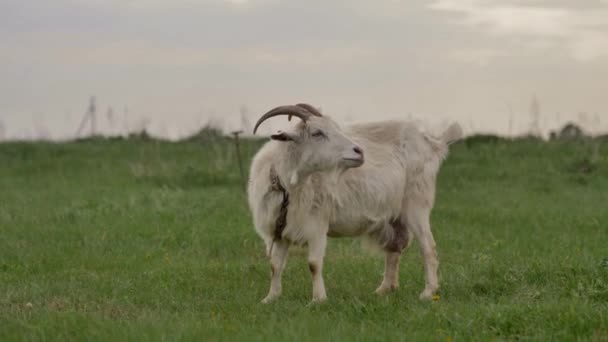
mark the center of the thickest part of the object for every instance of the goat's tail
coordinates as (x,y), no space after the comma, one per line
(452,134)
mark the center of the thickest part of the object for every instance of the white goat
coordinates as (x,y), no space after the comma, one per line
(312,182)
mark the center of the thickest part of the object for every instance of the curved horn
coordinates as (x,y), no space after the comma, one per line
(284,110)
(310,108)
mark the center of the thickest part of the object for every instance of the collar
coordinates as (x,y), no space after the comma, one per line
(281,222)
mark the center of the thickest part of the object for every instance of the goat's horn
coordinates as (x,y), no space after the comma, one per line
(310,108)
(284,110)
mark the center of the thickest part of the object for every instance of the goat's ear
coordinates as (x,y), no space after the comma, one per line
(283,136)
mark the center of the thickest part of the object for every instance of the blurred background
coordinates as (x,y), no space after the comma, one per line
(123,214)
(70,68)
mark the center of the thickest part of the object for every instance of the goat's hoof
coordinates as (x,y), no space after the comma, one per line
(429,294)
(269,299)
(318,300)
(384,290)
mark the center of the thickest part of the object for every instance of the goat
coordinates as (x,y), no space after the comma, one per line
(375,180)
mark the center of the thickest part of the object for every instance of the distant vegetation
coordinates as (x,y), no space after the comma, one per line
(209,134)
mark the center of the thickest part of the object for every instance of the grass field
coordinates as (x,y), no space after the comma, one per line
(147,240)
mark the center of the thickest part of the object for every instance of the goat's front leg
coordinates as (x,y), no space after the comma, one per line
(278,258)
(316,253)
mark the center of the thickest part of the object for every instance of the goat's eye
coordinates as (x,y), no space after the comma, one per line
(318,134)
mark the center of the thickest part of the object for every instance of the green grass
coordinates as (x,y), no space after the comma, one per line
(147,240)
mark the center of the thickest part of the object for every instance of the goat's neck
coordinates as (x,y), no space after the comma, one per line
(293,176)
(290,171)
(286,165)
(290,176)
(297,182)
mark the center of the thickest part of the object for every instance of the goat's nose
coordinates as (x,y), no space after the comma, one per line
(358,150)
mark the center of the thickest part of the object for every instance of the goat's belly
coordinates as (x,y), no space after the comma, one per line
(349,229)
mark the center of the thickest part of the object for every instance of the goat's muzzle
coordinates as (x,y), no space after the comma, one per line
(355,158)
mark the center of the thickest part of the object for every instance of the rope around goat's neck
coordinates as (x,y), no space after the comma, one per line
(281,221)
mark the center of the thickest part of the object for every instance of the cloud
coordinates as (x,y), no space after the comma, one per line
(61,50)
(581,27)
(166,4)
(477,56)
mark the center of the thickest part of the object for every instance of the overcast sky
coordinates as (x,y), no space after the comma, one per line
(174,64)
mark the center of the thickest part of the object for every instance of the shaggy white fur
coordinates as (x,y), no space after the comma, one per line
(336,191)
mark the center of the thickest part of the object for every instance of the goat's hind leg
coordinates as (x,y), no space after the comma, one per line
(278,258)
(399,241)
(420,224)
(390,282)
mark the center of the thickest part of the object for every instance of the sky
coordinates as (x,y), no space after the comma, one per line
(171,66)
